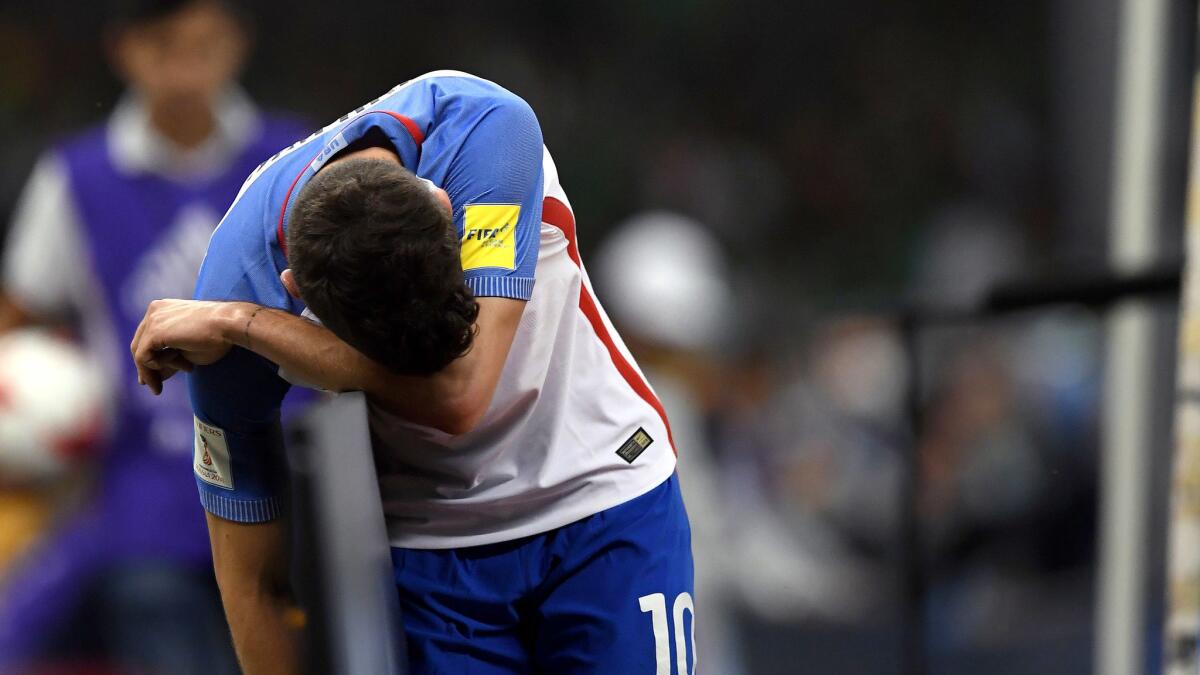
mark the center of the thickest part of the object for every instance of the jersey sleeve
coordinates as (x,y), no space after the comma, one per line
(238,459)
(496,189)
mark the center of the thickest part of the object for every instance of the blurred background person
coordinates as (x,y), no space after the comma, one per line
(110,219)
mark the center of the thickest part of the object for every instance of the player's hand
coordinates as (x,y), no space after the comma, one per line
(175,335)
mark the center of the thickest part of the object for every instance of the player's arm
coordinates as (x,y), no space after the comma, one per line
(452,400)
(238,458)
(240,472)
(250,560)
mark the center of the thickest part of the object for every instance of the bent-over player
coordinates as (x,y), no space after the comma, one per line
(526,467)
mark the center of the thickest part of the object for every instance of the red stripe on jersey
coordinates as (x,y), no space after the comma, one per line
(410,126)
(283,209)
(418,136)
(556,214)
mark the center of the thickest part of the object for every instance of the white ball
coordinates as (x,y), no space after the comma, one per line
(52,406)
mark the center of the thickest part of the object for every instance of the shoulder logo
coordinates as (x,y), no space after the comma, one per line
(490,236)
(211,458)
(334,146)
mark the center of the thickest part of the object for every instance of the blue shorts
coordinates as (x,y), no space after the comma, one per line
(611,593)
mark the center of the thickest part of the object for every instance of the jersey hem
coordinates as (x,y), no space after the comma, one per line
(517,288)
(241,510)
(564,518)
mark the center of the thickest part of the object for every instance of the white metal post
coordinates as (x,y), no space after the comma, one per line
(1138,125)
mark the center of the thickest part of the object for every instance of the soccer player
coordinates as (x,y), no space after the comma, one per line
(110,219)
(526,467)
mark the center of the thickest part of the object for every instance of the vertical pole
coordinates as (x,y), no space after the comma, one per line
(1120,623)
(356,582)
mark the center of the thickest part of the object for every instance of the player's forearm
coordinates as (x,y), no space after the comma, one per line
(448,400)
(301,347)
(264,639)
(250,561)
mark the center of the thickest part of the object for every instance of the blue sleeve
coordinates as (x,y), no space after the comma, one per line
(238,459)
(496,188)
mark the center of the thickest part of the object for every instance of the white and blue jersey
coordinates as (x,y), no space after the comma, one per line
(573,428)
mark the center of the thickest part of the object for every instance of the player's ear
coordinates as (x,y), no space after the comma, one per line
(444,199)
(439,194)
(289,282)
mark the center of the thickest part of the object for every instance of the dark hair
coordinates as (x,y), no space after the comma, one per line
(375,258)
(129,13)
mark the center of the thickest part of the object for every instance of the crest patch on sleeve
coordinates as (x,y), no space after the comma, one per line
(490,236)
(211,458)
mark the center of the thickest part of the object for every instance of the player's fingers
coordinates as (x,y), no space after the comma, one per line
(137,337)
(154,372)
(141,329)
(166,373)
(146,364)
(174,360)
(142,354)
(145,375)
(151,379)
(150,347)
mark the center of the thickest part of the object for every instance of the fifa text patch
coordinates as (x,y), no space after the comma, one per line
(211,458)
(636,445)
(490,236)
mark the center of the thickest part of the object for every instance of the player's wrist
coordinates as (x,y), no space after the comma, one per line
(235,321)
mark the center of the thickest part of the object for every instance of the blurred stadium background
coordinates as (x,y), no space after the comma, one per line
(761,188)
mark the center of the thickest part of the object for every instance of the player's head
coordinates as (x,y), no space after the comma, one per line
(177,53)
(373,254)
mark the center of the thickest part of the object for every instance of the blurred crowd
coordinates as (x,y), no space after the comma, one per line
(761,189)
(793,468)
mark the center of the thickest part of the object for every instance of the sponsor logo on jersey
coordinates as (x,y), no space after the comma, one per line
(211,460)
(490,236)
(636,445)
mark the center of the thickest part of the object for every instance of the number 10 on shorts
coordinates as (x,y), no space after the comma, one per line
(656,604)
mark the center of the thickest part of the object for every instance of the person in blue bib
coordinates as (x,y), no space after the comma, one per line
(421,249)
(110,219)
